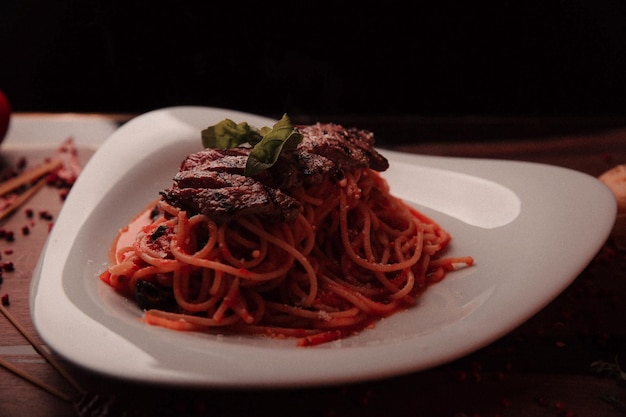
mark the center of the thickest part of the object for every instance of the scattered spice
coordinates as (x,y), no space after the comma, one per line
(45,215)
(5,300)
(7,266)
(22,163)
(52,179)
(7,235)
(63,193)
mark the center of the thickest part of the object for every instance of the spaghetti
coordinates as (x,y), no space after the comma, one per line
(352,255)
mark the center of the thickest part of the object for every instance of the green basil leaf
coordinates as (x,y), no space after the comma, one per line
(267,143)
(265,153)
(228,134)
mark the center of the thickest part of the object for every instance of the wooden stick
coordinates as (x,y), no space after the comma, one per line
(28,176)
(42,351)
(34,381)
(22,198)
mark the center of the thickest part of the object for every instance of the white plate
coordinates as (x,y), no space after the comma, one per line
(531,229)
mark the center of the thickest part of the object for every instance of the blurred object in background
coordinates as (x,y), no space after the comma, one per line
(5,115)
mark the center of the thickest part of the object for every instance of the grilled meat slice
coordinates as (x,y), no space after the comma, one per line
(212,181)
(349,148)
(222,196)
(222,160)
(326,151)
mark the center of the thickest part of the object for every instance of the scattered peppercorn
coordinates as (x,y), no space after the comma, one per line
(8,266)
(5,300)
(63,193)
(21,163)
(52,179)
(7,235)
(44,214)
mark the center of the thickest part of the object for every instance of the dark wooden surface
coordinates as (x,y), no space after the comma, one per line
(564,361)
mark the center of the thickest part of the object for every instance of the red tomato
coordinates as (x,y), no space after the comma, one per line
(5,115)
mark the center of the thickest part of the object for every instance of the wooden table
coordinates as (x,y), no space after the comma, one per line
(561,362)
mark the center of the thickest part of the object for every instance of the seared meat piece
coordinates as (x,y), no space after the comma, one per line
(221,195)
(212,181)
(325,152)
(290,170)
(222,160)
(349,148)
(294,169)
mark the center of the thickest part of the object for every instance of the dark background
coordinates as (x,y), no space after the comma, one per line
(318,59)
